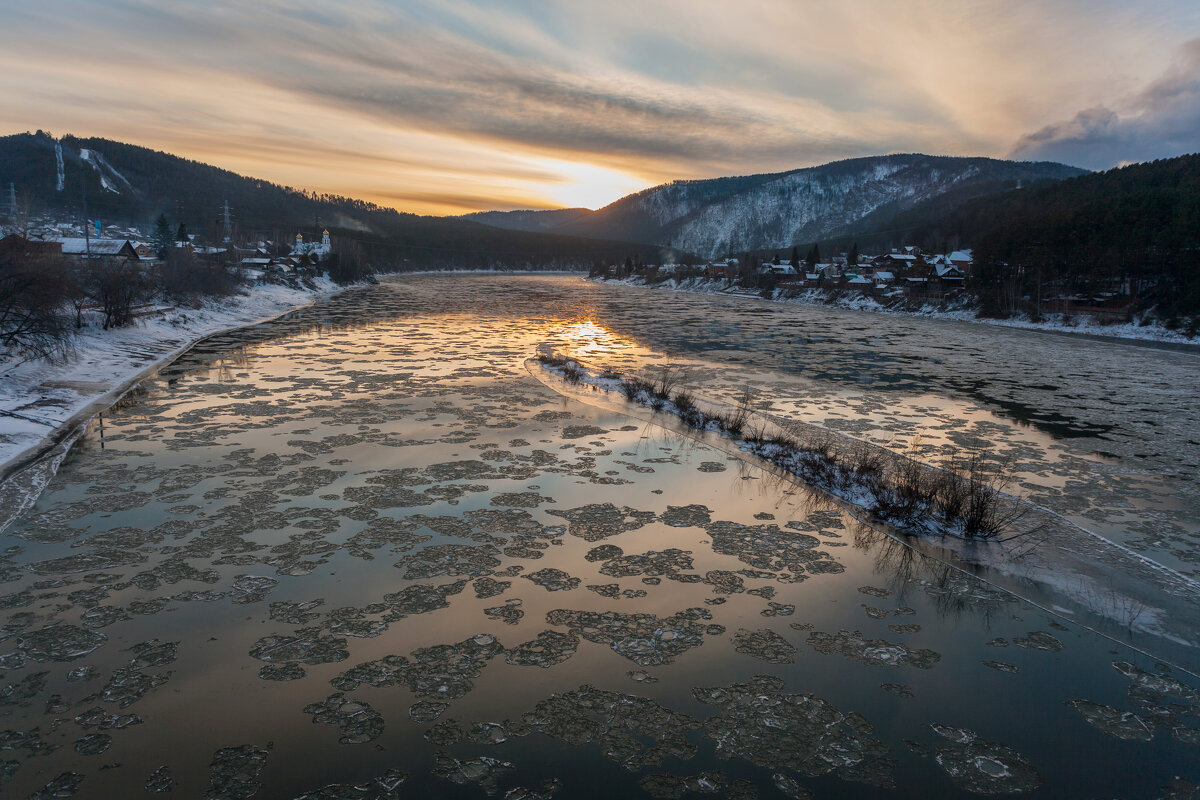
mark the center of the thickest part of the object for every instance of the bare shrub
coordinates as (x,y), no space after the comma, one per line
(985,514)
(552,360)
(570,369)
(668,378)
(755,436)
(905,493)
(634,386)
(116,285)
(948,491)
(867,462)
(572,372)
(183,277)
(735,422)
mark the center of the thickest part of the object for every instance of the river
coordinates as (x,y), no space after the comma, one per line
(362,551)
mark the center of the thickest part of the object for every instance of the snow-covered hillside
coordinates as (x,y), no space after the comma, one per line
(729,215)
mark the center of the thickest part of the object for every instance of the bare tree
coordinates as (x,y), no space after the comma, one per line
(117,285)
(33,297)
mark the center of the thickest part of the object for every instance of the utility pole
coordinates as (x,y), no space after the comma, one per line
(87,224)
(228,224)
(12,201)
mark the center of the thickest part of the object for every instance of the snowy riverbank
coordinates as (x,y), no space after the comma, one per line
(1056,323)
(38,400)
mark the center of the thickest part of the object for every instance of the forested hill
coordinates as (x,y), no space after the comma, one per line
(724,216)
(1135,228)
(133,185)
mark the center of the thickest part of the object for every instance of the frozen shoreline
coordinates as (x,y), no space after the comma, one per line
(1053,323)
(51,401)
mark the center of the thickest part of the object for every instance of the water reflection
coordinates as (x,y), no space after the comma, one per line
(297,565)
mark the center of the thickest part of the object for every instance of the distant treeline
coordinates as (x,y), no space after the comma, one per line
(1133,231)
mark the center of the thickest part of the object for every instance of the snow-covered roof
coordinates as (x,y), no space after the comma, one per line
(881,275)
(254,261)
(860,281)
(962,255)
(901,257)
(72,246)
(943,271)
(813,276)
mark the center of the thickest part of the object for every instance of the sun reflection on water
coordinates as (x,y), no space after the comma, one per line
(587,340)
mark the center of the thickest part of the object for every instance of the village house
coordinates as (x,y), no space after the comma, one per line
(79,249)
(963,259)
(897,262)
(949,274)
(145,252)
(726,268)
(776,268)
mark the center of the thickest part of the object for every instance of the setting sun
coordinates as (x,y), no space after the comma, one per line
(579,185)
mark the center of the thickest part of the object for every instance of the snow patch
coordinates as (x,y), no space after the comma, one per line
(97,163)
(62,175)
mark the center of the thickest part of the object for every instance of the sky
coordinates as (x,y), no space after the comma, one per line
(452,106)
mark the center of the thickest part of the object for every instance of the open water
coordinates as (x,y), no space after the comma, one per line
(363,551)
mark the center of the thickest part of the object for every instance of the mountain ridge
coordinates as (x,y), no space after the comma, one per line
(727,215)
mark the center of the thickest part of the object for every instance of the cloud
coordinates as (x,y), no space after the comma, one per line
(1161,120)
(443,105)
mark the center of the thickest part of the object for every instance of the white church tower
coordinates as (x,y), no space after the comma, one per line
(325,239)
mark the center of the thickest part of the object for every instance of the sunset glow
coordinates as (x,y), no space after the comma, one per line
(447,108)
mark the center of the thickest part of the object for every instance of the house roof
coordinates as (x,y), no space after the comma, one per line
(73,246)
(884,276)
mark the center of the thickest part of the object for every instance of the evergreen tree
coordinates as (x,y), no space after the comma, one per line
(814,256)
(795,262)
(852,256)
(181,235)
(162,236)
